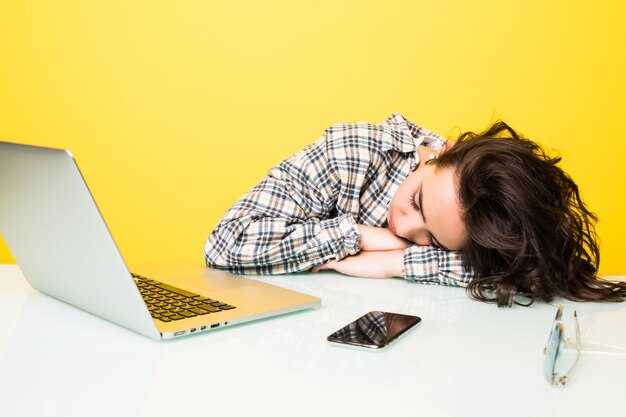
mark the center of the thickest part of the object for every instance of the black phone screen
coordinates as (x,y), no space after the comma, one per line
(375,329)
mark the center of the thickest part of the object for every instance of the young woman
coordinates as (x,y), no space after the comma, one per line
(491,212)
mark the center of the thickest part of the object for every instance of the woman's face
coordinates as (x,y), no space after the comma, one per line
(426,211)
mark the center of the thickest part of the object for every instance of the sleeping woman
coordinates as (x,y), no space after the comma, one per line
(491,212)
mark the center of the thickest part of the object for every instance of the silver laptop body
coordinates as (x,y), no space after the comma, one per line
(61,242)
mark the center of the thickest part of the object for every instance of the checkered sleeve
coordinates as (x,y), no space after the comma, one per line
(430,265)
(286,223)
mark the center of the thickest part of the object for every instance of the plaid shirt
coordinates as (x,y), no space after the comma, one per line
(306,210)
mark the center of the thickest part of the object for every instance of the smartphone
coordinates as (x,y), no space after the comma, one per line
(374,330)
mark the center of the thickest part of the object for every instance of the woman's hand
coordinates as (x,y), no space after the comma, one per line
(380,264)
(380,239)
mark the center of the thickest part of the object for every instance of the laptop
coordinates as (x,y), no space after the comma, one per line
(61,242)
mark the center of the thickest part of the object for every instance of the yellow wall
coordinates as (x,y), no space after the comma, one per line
(175,108)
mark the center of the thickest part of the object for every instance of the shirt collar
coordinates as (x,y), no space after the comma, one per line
(406,136)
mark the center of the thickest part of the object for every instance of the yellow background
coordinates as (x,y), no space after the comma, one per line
(174,109)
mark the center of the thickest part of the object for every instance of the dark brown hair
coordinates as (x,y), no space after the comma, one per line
(529,231)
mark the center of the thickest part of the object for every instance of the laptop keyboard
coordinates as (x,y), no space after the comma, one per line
(168,303)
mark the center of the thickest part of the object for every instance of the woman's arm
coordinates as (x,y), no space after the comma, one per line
(374,239)
(424,264)
(379,264)
(430,265)
(286,223)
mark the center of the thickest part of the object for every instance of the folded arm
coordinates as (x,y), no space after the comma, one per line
(286,223)
(423,264)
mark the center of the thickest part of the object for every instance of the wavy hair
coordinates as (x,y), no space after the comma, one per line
(529,230)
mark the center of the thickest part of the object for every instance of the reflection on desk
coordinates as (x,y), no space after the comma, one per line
(465,358)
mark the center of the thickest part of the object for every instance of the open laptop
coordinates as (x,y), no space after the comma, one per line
(59,239)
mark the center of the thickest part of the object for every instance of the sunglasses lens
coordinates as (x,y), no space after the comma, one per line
(552,352)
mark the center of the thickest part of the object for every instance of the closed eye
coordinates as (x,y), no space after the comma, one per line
(431,240)
(413,203)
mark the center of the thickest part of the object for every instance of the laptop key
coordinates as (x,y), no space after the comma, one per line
(175,290)
(218,304)
(208,307)
(199,311)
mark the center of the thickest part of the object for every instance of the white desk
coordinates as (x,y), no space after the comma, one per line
(465,358)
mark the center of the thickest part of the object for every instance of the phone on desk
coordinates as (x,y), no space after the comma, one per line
(374,330)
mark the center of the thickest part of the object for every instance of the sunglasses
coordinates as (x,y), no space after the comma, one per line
(554,347)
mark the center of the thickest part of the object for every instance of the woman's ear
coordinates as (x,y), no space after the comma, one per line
(427,154)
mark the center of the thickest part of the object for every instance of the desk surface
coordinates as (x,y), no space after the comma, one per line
(465,358)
